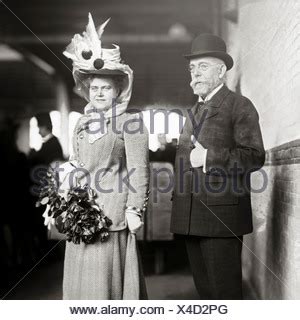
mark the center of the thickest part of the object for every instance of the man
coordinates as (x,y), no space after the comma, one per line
(51,149)
(219,146)
(40,161)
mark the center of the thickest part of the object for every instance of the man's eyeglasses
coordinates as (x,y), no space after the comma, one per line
(201,66)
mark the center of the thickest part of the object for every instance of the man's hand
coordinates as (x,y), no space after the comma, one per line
(198,155)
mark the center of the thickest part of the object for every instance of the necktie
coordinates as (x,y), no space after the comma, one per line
(198,118)
(199,105)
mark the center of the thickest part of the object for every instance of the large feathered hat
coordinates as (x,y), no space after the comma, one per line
(90,58)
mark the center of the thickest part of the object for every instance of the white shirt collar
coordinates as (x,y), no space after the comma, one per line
(47,137)
(211,94)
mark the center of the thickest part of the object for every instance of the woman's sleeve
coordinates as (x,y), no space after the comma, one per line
(137,162)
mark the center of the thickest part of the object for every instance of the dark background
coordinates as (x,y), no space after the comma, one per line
(140,27)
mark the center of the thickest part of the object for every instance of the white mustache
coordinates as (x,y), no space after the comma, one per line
(195,81)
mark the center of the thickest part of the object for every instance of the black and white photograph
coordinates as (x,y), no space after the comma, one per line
(150,150)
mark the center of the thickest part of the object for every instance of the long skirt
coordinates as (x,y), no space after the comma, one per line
(104,270)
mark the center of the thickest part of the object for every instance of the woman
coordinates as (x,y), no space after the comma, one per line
(111,154)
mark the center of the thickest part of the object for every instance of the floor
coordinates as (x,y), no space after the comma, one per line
(40,286)
(44,281)
(165,265)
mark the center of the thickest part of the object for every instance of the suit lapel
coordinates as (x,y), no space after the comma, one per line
(211,109)
(215,103)
(195,117)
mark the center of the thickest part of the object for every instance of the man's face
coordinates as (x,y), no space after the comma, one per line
(102,92)
(206,74)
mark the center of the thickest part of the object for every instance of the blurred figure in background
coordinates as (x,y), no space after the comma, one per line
(166,151)
(50,152)
(51,149)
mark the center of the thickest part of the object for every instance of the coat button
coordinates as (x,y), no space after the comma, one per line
(81,164)
(81,136)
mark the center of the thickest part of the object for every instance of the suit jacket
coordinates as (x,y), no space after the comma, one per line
(116,166)
(49,152)
(217,203)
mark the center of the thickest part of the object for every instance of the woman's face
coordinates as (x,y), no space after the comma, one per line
(103,93)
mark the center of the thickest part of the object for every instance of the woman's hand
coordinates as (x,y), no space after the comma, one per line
(134,220)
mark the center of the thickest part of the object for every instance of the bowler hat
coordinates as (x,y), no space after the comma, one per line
(209,45)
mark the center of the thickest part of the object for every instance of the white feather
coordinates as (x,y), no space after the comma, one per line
(102,27)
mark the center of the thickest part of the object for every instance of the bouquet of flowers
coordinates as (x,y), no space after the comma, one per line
(76,214)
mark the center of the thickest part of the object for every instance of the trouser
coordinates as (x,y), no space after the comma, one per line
(216,266)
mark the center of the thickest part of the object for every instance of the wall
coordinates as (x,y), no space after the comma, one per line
(265,43)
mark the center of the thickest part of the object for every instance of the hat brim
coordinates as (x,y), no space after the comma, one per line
(104,72)
(81,75)
(216,54)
